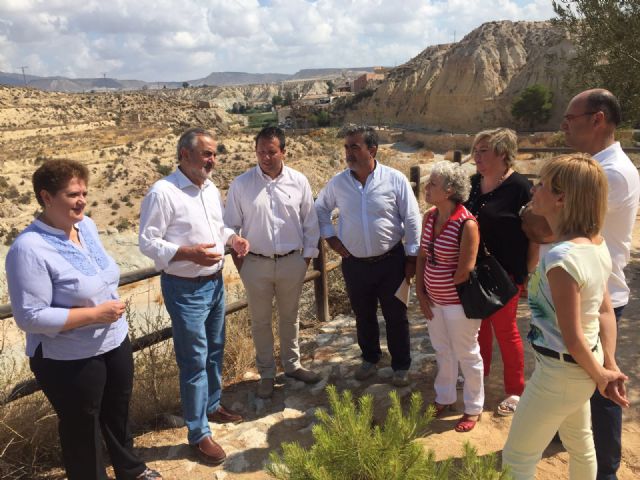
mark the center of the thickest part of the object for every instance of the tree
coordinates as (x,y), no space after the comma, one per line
(288,98)
(606,34)
(277,100)
(185,84)
(533,105)
(330,87)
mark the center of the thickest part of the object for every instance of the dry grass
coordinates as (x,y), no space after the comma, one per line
(29,447)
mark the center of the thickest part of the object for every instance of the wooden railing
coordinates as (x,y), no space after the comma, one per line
(418,174)
(320,286)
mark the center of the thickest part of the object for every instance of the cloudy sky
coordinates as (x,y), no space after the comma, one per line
(162,40)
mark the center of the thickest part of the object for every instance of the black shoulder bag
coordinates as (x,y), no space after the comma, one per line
(489,286)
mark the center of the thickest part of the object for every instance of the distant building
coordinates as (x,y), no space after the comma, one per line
(367,80)
(315,99)
(285,117)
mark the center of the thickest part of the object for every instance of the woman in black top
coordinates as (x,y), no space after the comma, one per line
(497,195)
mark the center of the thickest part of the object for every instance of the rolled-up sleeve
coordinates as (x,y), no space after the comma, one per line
(325,204)
(154,220)
(31,292)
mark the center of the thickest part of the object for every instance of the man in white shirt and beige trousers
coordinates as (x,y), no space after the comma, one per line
(271,205)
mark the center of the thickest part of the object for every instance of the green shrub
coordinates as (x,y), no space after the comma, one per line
(164,170)
(348,446)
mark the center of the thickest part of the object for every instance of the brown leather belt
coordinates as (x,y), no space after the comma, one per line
(200,279)
(274,256)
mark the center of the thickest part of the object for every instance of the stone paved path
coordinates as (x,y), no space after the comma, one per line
(289,414)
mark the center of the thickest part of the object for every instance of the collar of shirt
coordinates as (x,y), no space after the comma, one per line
(182,181)
(267,178)
(374,175)
(608,153)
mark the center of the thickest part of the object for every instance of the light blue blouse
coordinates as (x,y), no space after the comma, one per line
(47,275)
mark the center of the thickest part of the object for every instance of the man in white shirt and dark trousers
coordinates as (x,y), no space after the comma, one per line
(589,126)
(182,230)
(272,206)
(377,211)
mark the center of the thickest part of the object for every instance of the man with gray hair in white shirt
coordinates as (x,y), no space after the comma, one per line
(182,230)
(377,211)
(271,205)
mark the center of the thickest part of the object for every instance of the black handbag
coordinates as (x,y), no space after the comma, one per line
(488,288)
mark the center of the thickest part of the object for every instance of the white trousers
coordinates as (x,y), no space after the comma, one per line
(264,279)
(455,340)
(555,399)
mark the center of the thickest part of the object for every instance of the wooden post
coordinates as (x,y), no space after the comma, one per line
(414,179)
(320,284)
(457,156)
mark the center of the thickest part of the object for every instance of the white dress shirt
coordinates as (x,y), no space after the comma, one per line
(176,212)
(622,206)
(374,217)
(276,215)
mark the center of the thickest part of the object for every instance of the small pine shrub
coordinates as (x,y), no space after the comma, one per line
(348,446)
(479,468)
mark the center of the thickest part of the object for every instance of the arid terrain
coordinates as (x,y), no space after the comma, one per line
(128,141)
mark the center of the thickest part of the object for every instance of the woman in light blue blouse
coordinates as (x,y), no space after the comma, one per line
(63,291)
(573,329)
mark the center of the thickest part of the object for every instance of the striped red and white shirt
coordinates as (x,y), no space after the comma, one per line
(442,252)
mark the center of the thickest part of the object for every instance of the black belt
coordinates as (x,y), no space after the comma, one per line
(275,255)
(200,279)
(378,258)
(557,355)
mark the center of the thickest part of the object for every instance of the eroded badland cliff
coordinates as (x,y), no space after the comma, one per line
(471,84)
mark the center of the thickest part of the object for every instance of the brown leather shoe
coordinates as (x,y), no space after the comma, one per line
(209,451)
(223,415)
(304,375)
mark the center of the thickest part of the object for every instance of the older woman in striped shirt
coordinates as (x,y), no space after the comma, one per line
(447,255)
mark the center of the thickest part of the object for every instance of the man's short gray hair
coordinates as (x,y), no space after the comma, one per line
(189,139)
(453,177)
(369,134)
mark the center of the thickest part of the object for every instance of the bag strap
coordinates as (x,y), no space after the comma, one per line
(482,248)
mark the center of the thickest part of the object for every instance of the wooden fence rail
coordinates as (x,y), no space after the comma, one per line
(319,275)
(418,173)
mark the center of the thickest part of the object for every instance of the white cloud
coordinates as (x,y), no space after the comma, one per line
(187,39)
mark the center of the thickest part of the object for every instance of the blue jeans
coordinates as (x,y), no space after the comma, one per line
(606,422)
(197,319)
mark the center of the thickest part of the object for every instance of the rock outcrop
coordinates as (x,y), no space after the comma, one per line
(471,84)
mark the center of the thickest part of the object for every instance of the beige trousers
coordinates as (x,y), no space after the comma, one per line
(264,279)
(556,399)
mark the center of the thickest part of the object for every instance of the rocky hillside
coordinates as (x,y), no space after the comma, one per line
(471,84)
(225,97)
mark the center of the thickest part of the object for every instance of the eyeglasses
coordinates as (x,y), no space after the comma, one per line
(570,116)
(431,250)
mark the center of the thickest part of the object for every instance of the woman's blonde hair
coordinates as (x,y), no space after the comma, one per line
(584,185)
(503,141)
